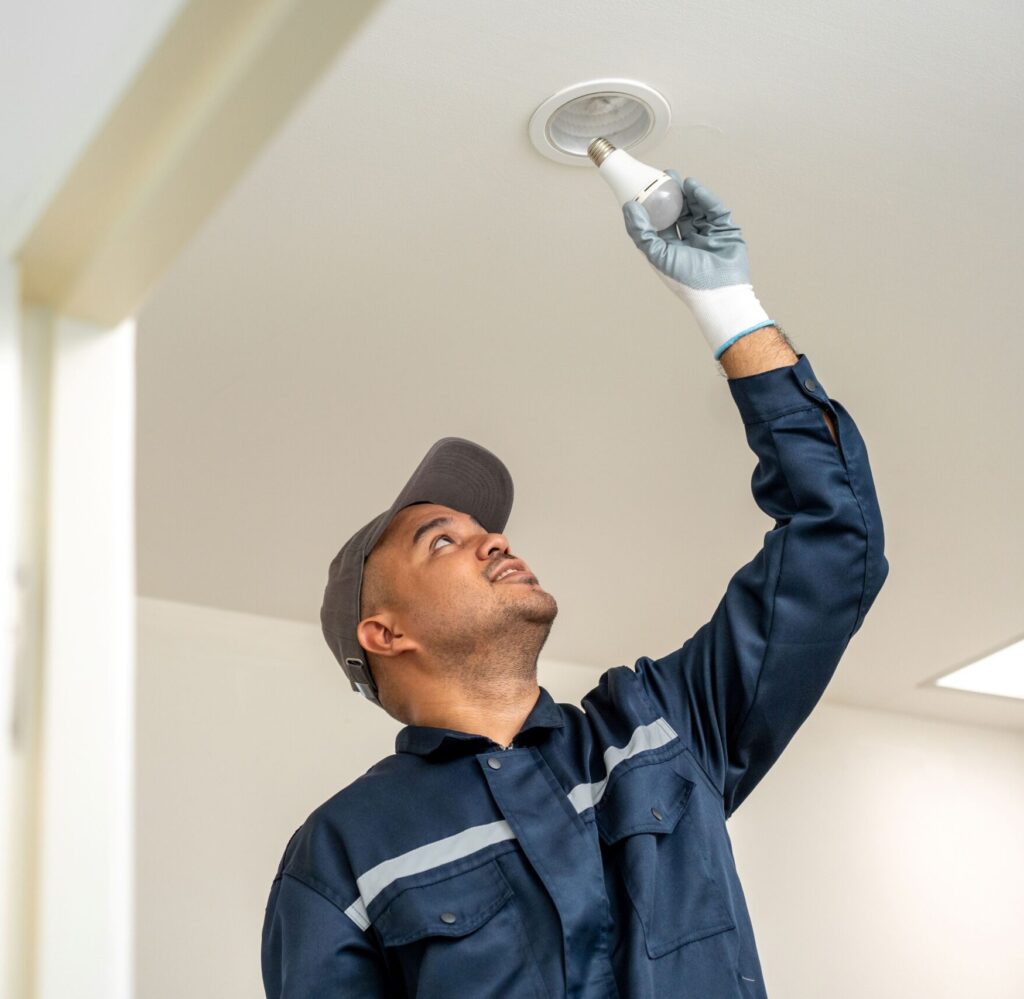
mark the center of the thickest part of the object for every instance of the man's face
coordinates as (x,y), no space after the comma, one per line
(442,566)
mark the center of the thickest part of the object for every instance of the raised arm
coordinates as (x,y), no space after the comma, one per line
(738,690)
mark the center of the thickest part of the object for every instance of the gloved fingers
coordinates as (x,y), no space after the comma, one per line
(670,256)
(708,210)
(643,234)
(674,174)
(636,223)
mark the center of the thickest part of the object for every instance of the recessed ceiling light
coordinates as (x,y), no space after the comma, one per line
(1001,673)
(627,113)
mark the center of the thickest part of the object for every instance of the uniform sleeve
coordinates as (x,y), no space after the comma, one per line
(312,950)
(739,689)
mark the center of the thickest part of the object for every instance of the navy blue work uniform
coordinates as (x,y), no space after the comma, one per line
(590,858)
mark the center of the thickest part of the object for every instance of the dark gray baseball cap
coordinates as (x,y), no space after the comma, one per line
(455,472)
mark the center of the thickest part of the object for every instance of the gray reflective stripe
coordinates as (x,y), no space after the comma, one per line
(423,858)
(357,913)
(659,732)
(462,844)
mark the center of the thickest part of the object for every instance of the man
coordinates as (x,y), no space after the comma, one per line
(517,847)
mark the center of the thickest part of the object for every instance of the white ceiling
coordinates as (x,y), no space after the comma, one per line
(401,265)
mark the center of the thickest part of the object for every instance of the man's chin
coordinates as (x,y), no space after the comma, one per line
(541,611)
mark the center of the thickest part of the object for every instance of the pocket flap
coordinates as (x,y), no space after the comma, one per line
(452,907)
(646,799)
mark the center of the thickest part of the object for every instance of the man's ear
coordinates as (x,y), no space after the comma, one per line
(376,635)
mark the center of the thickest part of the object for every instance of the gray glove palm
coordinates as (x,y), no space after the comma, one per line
(703,260)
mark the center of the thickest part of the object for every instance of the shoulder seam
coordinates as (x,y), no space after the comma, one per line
(315,887)
(685,746)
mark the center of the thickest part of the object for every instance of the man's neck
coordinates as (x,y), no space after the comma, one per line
(497,713)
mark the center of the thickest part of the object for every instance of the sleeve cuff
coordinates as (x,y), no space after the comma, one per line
(769,394)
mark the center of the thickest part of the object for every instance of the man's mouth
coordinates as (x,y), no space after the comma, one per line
(509,573)
(509,565)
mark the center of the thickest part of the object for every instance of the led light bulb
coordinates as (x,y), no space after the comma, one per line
(631,180)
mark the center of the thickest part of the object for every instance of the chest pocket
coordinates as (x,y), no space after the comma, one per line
(463,932)
(648,820)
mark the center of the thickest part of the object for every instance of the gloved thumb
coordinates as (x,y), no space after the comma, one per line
(643,233)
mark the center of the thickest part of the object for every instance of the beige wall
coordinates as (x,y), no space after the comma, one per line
(880,856)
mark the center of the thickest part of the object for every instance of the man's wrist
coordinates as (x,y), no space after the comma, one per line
(765,350)
(762,350)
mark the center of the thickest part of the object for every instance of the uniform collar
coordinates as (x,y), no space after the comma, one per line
(424,740)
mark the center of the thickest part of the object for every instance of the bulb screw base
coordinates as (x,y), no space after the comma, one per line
(599,150)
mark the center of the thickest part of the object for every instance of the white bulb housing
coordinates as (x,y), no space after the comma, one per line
(631,180)
(628,113)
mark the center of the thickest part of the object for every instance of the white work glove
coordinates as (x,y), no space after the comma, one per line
(703,259)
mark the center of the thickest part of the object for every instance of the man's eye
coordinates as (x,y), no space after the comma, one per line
(438,538)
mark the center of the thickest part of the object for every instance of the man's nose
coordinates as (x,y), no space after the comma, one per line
(494,542)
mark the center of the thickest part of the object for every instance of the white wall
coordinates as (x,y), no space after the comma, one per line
(83,735)
(880,856)
(67,602)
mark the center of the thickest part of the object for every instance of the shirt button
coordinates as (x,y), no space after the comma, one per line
(447,917)
(656,814)
(494,763)
(810,384)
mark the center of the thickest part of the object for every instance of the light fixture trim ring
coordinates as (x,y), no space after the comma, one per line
(656,104)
